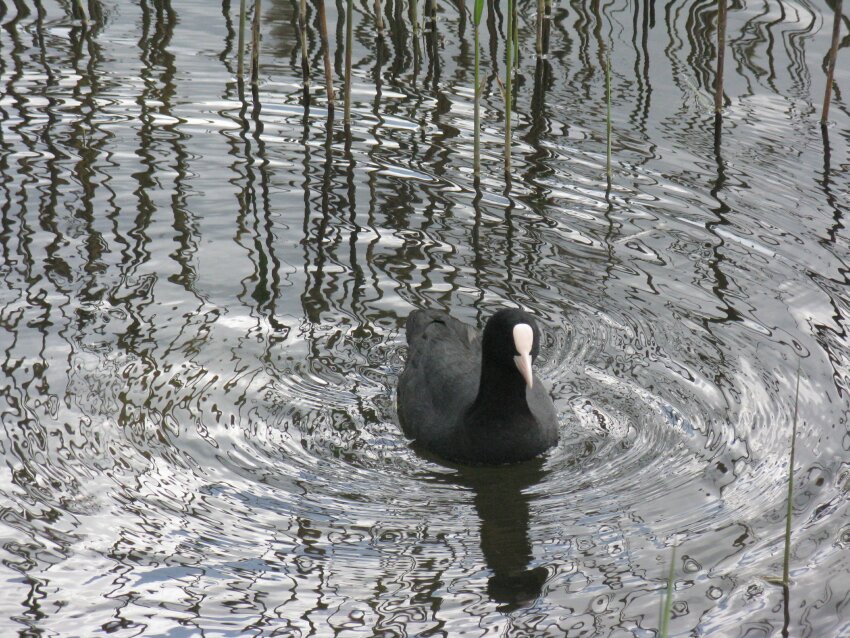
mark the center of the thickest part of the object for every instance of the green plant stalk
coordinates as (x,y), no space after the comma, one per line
(830,72)
(240,64)
(302,27)
(323,36)
(509,68)
(608,123)
(255,49)
(433,17)
(476,154)
(516,34)
(82,10)
(414,17)
(349,38)
(786,563)
(664,630)
(541,8)
(379,18)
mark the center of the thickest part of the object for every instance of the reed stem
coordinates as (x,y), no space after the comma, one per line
(541,9)
(240,64)
(414,17)
(721,54)
(608,121)
(349,38)
(833,53)
(379,18)
(516,34)
(476,156)
(509,71)
(787,558)
(81,10)
(255,48)
(302,28)
(666,611)
(323,37)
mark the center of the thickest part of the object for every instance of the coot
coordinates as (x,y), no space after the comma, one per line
(475,400)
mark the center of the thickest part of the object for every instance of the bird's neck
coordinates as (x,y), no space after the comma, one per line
(500,391)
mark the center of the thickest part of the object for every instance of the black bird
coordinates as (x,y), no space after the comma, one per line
(475,400)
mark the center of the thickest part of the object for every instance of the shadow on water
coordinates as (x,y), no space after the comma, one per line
(503,504)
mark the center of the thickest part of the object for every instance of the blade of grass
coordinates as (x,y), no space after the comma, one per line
(787,558)
(667,609)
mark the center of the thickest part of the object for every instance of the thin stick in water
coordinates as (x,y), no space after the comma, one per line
(787,559)
(608,106)
(255,48)
(509,71)
(323,37)
(81,10)
(349,38)
(541,9)
(721,54)
(379,18)
(476,156)
(240,65)
(414,17)
(516,35)
(302,28)
(666,610)
(833,53)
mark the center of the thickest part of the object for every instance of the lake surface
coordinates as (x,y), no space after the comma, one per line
(204,291)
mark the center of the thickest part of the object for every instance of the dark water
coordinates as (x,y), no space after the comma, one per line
(202,299)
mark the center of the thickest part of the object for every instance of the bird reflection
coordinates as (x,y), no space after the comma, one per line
(503,504)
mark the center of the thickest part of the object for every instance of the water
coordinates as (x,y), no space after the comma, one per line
(202,300)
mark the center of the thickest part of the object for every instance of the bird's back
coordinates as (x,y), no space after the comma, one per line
(440,379)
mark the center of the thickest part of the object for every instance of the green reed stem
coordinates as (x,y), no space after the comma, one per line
(349,38)
(81,10)
(476,156)
(541,9)
(721,54)
(509,70)
(379,18)
(255,49)
(302,28)
(608,120)
(667,609)
(323,37)
(833,53)
(414,17)
(240,65)
(786,563)
(516,34)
